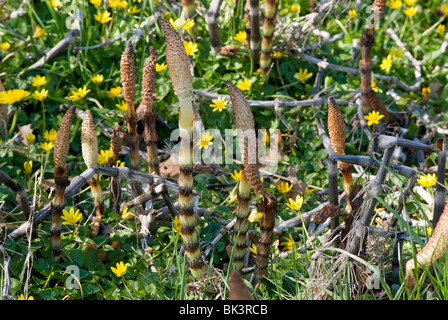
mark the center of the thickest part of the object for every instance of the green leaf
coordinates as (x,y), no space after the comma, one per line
(77,256)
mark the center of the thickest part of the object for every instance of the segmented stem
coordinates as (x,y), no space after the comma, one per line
(179,68)
(255,32)
(60,152)
(245,125)
(270,13)
(149,116)
(337,133)
(247,141)
(89,146)
(242,224)
(369,98)
(127,72)
(269,208)
(116,142)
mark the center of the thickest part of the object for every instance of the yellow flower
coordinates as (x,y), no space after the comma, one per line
(30,138)
(374,86)
(39,32)
(120,164)
(104,155)
(410,2)
(294,8)
(114,92)
(386,64)
(233,197)
(277,54)
(126,215)
(288,244)
(266,140)
(255,216)
(176,224)
(71,216)
(303,75)
(426,91)
(50,136)
(22,297)
(244,85)
(236,176)
(120,269)
(134,10)
(161,67)
(253,248)
(78,93)
(122,106)
(219,104)
(428,180)
(55,3)
(118,4)
(379,210)
(103,17)
(47,146)
(373,117)
(352,14)
(396,52)
(40,95)
(174,23)
(38,81)
(444,8)
(190,47)
(205,140)
(241,36)
(96,3)
(5,46)
(98,78)
(28,166)
(13,95)
(295,204)
(188,24)
(429,230)
(441,29)
(284,187)
(394,4)
(411,11)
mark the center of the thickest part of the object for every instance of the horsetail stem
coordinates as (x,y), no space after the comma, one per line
(61,147)
(369,98)
(179,69)
(270,13)
(149,116)
(434,249)
(188,9)
(255,32)
(242,224)
(245,125)
(127,72)
(336,132)
(89,146)
(116,141)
